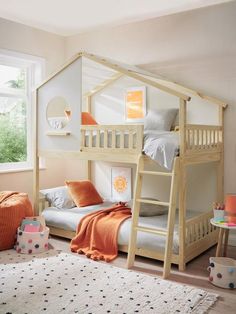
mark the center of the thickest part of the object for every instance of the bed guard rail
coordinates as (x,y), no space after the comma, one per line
(202,138)
(111,138)
(199,227)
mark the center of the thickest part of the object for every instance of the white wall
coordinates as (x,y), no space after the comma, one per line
(24,39)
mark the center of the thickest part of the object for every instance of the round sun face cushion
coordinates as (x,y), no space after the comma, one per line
(84,193)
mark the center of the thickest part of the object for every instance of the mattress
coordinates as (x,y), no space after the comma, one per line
(68,219)
(161,146)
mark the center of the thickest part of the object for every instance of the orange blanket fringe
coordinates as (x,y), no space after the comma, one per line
(14,206)
(97,233)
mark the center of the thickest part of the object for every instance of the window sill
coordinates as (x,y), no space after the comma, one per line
(3,171)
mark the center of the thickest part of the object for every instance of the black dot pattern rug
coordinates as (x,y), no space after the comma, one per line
(56,282)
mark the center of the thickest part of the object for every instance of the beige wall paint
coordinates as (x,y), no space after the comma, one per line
(24,39)
(196,48)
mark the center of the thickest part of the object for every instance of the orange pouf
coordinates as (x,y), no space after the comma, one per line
(230,207)
(14,206)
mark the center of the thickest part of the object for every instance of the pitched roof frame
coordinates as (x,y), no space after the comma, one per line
(136,73)
(136,76)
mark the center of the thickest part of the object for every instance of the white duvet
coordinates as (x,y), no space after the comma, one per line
(161,146)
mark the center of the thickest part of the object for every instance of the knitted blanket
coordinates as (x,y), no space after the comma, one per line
(97,233)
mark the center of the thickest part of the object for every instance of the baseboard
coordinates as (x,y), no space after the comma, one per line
(232,238)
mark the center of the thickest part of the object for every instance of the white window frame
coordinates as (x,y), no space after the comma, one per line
(35,68)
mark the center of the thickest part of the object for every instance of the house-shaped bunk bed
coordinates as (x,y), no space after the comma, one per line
(57,136)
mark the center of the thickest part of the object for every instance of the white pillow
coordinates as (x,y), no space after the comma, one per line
(59,197)
(148,210)
(160,119)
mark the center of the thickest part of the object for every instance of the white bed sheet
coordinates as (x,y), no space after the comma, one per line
(161,146)
(68,219)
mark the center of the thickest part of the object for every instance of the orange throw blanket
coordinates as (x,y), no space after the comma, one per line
(97,233)
(14,207)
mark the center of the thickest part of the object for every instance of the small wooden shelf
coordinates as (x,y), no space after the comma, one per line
(54,133)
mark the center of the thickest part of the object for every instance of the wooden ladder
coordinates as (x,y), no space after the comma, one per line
(135,227)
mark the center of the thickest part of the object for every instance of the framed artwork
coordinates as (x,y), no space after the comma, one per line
(120,184)
(135,104)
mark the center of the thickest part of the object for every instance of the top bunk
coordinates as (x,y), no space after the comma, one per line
(92,84)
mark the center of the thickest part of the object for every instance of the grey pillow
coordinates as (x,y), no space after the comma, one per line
(160,119)
(148,210)
(59,197)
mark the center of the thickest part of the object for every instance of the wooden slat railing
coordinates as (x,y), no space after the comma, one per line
(199,227)
(111,138)
(203,138)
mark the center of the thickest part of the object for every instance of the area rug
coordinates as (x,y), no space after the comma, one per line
(56,282)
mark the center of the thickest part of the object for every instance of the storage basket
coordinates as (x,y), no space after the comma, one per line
(32,242)
(222,272)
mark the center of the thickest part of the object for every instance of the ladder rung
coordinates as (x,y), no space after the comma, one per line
(143,200)
(150,230)
(155,173)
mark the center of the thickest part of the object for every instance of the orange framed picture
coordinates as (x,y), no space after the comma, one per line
(135,104)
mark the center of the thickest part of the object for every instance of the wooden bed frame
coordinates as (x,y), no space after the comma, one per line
(200,235)
(198,144)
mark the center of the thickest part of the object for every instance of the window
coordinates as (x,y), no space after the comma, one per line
(18,76)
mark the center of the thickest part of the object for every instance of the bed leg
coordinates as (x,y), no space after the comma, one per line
(182,216)
(182,266)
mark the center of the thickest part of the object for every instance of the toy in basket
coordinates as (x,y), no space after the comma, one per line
(222,272)
(32,236)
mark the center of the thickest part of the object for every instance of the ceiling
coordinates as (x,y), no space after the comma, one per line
(69,17)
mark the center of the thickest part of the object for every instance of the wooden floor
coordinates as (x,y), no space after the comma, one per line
(196,273)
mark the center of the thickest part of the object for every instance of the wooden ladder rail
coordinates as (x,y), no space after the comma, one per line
(171,214)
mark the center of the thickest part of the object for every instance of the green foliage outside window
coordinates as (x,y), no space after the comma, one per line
(13,127)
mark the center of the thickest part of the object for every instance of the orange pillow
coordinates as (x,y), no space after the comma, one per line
(83,193)
(87,119)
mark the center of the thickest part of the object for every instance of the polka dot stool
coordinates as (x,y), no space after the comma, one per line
(32,242)
(222,272)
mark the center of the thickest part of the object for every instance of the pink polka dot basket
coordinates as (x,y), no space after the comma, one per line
(32,242)
(222,272)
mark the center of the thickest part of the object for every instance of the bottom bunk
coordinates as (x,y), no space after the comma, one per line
(200,234)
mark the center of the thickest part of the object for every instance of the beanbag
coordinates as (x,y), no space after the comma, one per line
(14,206)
